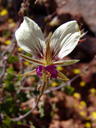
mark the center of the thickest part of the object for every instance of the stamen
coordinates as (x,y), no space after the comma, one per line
(50,71)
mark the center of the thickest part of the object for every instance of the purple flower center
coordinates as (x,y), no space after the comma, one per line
(50,69)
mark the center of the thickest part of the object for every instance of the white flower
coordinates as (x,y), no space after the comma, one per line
(63,41)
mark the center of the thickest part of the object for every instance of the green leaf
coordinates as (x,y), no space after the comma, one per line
(10,70)
(69,90)
(6,33)
(19,77)
(12,59)
(53,106)
(51,94)
(22,96)
(7,122)
(9,86)
(9,77)
(41,110)
(52,113)
(8,105)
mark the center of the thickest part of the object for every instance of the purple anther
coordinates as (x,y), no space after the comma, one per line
(51,69)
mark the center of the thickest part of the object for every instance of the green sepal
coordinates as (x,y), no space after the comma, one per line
(31,60)
(33,72)
(65,62)
(62,76)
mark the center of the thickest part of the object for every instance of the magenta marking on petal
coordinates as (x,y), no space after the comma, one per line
(51,69)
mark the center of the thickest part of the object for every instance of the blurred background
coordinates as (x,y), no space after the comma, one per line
(72,106)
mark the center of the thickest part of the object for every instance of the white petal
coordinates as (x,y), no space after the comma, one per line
(65,39)
(30,37)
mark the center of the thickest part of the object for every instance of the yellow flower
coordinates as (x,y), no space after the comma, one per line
(0,38)
(10,20)
(87,118)
(20,49)
(93,91)
(76,71)
(88,125)
(12,24)
(94,115)
(77,95)
(7,42)
(82,83)
(83,103)
(26,63)
(31,65)
(3,12)
(54,84)
(82,113)
(80,107)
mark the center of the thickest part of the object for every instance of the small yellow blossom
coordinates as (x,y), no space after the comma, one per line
(82,113)
(88,125)
(76,71)
(82,83)
(77,95)
(31,65)
(3,12)
(87,118)
(0,38)
(93,91)
(83,103)
(94,115)
(60,68)
(54,84)
(7,42)
(12,24)
(20,49)
(10,20)
(80,107)
(26,63)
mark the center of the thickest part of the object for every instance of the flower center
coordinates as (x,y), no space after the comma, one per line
(48,70)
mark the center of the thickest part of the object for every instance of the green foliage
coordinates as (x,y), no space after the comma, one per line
(53,107)
(31,125)
(51,94)
(6,33)
(68,90)
(41,110)
(10,70)
(19,77)
(8,105)
(9,77)
(36,92)
(12,59)
(36,77)
(7,123)
(9,86)
(8,80)
(22,96)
